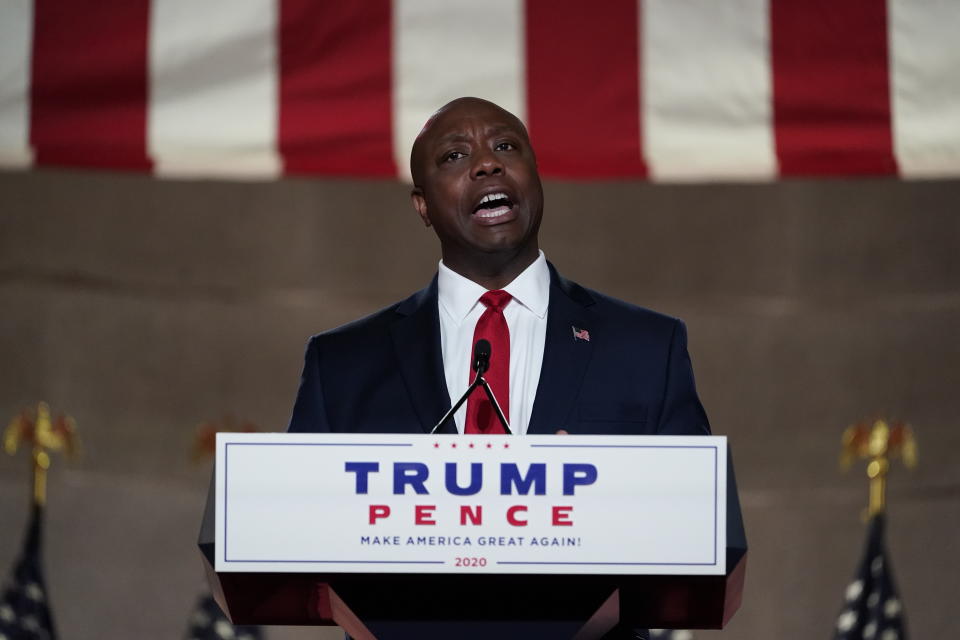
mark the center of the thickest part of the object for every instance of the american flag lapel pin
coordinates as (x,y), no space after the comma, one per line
(581,334)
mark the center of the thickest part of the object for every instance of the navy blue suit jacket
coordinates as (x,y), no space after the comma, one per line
(384,373)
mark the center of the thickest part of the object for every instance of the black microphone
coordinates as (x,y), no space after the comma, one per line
(481,356)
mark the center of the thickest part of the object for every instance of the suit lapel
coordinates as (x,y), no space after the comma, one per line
(565,357)
(416,339)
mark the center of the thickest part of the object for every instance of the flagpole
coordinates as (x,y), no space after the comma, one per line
(872,607)
(24,604)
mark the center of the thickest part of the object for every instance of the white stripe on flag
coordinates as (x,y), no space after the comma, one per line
(706,89)
(16,42)
(444,49)
(213,88)
(925,86)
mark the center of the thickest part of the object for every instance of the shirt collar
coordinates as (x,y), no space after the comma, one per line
(457,295)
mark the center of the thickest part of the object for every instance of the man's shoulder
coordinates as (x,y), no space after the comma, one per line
(616,306)
(376,321)
(612,310)
(374,325)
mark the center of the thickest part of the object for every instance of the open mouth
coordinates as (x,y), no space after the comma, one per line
(493,205)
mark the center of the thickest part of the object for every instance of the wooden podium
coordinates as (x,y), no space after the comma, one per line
(453,602)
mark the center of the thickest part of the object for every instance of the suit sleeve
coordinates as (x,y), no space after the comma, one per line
(682,413)
(309,412)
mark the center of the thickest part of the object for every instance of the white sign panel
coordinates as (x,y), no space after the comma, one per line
(369,503)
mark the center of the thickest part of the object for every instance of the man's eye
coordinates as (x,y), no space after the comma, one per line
(505,146)
(454,155)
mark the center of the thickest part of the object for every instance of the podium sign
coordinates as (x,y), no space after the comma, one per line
(347,503)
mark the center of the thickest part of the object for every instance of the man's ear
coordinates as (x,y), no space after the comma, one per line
(420,204)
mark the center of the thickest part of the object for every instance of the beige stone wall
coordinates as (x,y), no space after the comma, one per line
(143,307)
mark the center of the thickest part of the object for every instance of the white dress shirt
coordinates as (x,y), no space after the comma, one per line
(526,316)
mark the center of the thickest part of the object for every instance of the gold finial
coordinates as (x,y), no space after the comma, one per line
(879,442)
(205,440)
(45,433)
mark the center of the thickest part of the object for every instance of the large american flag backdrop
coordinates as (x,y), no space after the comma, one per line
(660,89)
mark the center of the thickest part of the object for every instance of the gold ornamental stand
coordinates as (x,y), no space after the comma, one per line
(46,434)
(879,443)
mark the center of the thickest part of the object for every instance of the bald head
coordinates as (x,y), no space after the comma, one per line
(467,106)
(476,183)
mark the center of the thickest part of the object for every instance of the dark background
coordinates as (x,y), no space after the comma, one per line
(143,307)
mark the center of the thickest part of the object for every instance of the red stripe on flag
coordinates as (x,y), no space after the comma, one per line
(89,84)
(335,87)
(831,87)
(583,94)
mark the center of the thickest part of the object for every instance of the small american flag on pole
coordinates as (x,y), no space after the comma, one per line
(581,334)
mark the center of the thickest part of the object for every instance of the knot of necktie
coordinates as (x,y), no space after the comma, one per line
(496,300)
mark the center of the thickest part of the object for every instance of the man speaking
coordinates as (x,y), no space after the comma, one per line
(563,358)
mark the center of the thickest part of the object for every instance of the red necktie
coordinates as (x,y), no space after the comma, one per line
(481,417)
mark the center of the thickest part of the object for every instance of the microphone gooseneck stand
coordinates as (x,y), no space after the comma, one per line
(481,363)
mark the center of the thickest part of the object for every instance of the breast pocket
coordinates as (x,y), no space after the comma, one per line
(613,419)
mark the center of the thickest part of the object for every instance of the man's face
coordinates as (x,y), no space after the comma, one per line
(477,183)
